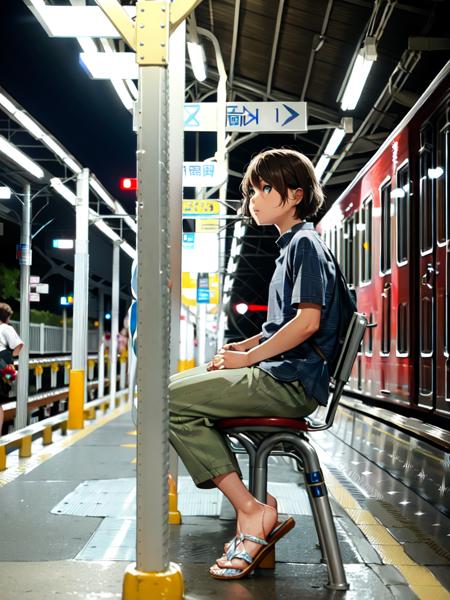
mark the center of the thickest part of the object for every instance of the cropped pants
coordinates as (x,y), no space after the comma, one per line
(199,397)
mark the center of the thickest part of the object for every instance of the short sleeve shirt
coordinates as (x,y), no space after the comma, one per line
(8,337)
(304,273)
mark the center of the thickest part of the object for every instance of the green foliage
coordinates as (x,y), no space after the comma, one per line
(9,283)
(46,317)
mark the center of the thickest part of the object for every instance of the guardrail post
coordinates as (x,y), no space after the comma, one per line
(41,338)
(101,344)
(77,380)
(114,321)
(24,356)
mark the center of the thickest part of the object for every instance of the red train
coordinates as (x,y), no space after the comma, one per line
(390,230)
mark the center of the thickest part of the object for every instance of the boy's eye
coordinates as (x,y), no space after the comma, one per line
(251,192)
(267,189)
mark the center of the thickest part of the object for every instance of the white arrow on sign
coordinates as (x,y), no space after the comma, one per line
(261,117)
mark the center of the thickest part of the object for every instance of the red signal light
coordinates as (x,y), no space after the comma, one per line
(128,184)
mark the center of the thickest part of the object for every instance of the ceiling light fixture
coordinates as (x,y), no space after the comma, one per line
(197,58)
(360,72)
(330,149)
(20,158)
(63,190)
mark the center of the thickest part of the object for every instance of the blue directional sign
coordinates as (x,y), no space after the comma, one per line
(261,117)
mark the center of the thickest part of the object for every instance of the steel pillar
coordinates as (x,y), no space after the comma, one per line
(24,356)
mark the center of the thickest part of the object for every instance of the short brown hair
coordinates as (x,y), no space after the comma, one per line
(6,312)
(284,169)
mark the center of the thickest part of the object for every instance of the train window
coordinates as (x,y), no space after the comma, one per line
(370,336)
(341,249)
(385,199)
(426,345)
(442,179)
(366,241)
(386,317)
(402,329)
(402,198)
(426,201)
(335,241)
(348,250)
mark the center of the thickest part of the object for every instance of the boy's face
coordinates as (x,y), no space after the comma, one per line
(266,207)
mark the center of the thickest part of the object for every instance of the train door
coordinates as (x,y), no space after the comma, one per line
(386,279)
(427,271)
(434,264)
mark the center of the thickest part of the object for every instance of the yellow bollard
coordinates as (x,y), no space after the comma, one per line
(138,585)
(174,513)
(25,446)
(47,435)
(76,399)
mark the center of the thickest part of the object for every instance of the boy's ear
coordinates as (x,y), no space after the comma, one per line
(298,195)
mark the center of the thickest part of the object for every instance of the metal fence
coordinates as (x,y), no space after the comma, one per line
(48,339)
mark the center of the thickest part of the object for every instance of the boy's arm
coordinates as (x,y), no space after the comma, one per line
(244,345)
(305,323)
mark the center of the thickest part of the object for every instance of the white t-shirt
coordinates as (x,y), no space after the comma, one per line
(8,337)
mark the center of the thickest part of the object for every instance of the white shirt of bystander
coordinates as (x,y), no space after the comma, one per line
(9,338)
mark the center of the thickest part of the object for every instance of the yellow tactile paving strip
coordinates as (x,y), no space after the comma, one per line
(39,456)
(420,579)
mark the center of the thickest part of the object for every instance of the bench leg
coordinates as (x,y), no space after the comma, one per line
(318,497)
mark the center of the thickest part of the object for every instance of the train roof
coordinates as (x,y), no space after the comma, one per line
(406,119)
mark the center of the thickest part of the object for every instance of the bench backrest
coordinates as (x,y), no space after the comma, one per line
(341,375)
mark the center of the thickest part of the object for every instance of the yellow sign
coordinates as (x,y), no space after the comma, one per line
(193,208)
(189,288)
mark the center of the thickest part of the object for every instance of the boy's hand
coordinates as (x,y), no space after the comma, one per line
(235,346)
(229,359)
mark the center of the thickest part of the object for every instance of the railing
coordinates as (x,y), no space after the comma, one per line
(48,339)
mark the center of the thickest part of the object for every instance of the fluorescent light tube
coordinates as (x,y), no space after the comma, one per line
(54,146)
(95,185)
(72,164)
(30,125)
(128,219)
(321,166)
(75,21)
(6,103)
(5,193)
(128,249)
(63,190)
(356,81)
(334,141)
(106,229)
(20,158)
(110,65)
(197,58)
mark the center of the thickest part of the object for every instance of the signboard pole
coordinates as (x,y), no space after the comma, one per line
(77,378)
(101,343)
(24,356)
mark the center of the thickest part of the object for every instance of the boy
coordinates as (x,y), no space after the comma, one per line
(274,373)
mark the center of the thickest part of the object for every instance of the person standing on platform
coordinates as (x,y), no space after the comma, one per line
(10,347)
(275,373)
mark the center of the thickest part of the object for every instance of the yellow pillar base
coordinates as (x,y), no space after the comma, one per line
(174,513)
(76,399)
(166,585)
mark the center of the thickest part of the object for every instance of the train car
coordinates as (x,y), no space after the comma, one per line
(390,231)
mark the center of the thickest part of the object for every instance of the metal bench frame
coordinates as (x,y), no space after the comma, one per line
(265,436)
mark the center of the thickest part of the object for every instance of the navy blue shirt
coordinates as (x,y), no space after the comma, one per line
(304,272)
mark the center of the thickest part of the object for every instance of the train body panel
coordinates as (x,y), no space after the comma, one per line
(390,230)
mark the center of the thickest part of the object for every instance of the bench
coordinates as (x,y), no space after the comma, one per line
(264,436)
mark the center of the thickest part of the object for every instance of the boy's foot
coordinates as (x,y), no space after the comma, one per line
(271,501)
(258,523)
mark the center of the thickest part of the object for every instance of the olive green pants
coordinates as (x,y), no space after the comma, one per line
(199,397)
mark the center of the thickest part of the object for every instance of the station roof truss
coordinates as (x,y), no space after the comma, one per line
(53,162)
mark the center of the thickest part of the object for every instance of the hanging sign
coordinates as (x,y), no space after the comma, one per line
(203,174)
(277,117)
